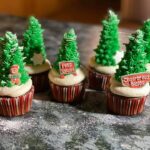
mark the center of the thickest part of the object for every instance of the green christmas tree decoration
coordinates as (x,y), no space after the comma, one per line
(109,41)
(11,55)
(146,31)
(68,50)
(33,42)
(134,60)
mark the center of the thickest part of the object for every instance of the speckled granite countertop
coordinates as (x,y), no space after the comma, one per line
(55,126)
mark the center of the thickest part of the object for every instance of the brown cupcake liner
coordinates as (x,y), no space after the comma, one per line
(125,105)
(67,94)
(15,106)
(98,81)
(40,81)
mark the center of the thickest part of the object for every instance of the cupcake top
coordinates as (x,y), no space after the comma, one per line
(134,60)
(12,73)
(34,48)
(66,69)
(68,50)
(131,79)
(146,31)
(109,41)
(108,53)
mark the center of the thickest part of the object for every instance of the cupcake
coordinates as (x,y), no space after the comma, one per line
(129,87)
(146,31)
(37,65)
(67,78)
(16,90)
(104,64)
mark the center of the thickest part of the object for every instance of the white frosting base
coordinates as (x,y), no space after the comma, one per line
(68,80)
(102,69)
(148,67)
(31,69)
(107,69)
(16,90)
(117,88)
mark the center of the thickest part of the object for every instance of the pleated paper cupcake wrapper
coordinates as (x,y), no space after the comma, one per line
(67,94)
(98,81)
(16,106)
(40,81)
(123,105)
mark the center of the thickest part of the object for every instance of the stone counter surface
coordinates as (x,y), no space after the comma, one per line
(86,126)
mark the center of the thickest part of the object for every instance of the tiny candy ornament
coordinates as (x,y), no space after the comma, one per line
(16,90)
(67,79)
(130,87)
(14,74)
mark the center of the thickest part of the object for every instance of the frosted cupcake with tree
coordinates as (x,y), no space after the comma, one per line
(35,56)
(66,77)
(107,54)
(129,87)
(16,90)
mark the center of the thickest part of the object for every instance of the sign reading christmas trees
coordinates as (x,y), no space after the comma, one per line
(66,67)
(135,80)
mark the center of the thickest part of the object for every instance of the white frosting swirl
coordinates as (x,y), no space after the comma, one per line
(148,67)
(118,89)
(35,69)
(107,69)
(68,80)
(119,55)
(102,69)
(16,90)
